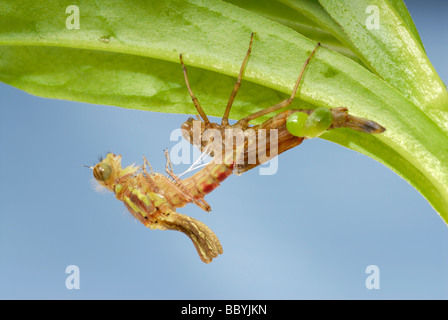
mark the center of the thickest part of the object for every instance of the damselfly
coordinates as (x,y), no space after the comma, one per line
(153,198)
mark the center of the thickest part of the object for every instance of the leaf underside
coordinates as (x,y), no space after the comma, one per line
(126,54)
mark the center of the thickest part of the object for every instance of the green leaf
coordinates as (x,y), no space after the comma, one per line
(126,53)
(299,16)
(401,9)
(312,10)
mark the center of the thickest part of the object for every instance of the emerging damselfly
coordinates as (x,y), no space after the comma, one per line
(153,198)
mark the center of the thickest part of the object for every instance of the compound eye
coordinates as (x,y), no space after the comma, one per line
(102,171)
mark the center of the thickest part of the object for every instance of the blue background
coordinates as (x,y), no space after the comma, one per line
(308,231)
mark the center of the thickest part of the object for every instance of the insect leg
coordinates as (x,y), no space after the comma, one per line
(195,100)
(244,122)
(201,203)
(124,177)
(146,162)
(169,165)
(225,117)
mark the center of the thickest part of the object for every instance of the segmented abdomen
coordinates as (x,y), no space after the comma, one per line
(208,178)
(142,203)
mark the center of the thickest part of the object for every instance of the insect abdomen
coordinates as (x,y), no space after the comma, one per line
(137,202)
(208,179)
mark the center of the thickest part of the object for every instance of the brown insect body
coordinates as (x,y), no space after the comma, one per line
(253,140)
(153,198)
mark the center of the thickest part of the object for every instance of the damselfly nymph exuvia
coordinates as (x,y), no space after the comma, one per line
(153,198)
